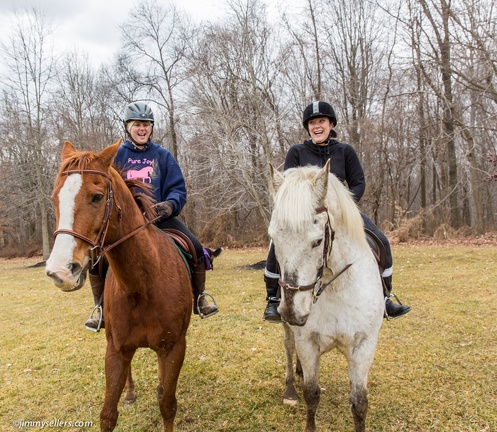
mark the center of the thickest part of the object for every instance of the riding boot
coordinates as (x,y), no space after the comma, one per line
(393,310)
(271,313)
(96,322)
(201,306)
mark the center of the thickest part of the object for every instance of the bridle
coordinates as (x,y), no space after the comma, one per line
(98,249)
(317,287)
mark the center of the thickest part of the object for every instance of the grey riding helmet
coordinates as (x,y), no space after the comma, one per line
(138,111)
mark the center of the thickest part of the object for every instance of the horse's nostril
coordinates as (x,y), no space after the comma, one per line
(75,268)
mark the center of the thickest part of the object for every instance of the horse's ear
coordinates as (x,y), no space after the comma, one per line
(321,181)
(107,155)
(275,179)
(68,150)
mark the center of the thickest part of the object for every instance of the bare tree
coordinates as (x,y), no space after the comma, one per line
(29,61)
(155,41)
(84,105)
(235,94)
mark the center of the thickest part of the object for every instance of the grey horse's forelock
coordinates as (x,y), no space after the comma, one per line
(295,201)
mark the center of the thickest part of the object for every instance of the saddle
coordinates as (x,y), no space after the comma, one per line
(379,252)
(184,246)
(378,248)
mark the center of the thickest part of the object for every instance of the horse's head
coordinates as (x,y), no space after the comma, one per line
(298,231)
(83,200)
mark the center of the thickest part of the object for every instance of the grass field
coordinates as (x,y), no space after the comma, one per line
(434,370)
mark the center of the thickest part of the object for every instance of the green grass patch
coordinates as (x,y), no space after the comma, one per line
(434,370)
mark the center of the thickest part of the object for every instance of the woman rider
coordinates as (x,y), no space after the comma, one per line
(319,119)
(139,157)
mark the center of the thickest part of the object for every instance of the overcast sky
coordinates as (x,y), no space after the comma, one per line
(91,26)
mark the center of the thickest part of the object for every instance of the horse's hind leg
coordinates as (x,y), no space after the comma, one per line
(290,396)
(170,364)
(130,397)
(117,365)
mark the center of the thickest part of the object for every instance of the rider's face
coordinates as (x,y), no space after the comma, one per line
(140,131)
(319,129)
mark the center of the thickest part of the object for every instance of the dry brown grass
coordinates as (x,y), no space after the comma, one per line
(435,370)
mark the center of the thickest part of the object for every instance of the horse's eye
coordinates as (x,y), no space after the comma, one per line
(97,198)
(317,243)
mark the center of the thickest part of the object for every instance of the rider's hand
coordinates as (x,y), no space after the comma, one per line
(164,209)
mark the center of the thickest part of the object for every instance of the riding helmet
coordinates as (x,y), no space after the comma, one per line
(138,111)
(318,109)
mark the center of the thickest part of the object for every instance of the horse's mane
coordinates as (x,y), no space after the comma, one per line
(142,192)
(296,202)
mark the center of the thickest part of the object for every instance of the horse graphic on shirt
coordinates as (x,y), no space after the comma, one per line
(145,174)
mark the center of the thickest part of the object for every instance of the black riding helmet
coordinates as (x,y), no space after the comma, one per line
(318,109)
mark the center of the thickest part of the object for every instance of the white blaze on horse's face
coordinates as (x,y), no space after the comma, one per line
(61,266)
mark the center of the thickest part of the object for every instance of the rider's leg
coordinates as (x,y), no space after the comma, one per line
(97,283)
(204,309)
(271,277)
(201,306)
(393,310)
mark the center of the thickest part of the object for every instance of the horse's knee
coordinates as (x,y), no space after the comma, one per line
(359,407)
(312,394)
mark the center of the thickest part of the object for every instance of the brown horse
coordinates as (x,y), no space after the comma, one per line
(147,296)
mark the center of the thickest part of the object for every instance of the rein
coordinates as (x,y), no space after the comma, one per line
(316,287)
(98,249)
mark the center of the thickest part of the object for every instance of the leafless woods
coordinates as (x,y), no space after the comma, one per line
(414,84)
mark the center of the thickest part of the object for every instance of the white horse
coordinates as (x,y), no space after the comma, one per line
(331,290)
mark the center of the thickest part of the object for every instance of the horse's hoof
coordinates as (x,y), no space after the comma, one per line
(129,401)
(291,402)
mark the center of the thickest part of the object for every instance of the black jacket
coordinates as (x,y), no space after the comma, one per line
(344,162)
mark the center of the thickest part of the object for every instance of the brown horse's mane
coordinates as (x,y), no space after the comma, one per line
(142,192)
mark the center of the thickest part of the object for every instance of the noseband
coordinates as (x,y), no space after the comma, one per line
(98,248)
(317,287)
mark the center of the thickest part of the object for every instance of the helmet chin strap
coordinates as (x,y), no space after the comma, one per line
(326,141)
(140,146)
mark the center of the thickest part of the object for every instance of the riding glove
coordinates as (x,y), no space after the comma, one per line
(164,209)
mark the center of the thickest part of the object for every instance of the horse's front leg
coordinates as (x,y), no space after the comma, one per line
(170,364)
(290,396)
(309,356)
(359,362)
(117,366)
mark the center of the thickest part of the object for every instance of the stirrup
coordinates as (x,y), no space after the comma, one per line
(99,325)
(388,317)
(202,315)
